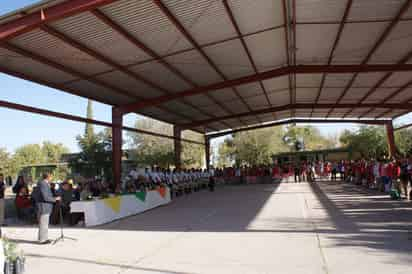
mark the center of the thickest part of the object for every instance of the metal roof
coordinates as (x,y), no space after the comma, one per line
(216,65)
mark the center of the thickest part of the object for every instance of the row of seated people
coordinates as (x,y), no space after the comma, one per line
(179,181)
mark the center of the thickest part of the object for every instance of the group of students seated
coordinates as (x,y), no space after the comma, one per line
(179,181)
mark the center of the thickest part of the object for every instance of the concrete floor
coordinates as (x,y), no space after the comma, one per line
(289,228)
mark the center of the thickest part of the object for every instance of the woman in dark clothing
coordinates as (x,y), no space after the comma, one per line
(19,184)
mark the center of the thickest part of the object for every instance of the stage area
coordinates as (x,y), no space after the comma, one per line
(289,228)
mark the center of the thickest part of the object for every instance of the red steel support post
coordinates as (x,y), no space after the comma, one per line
(207,152)
(391,139)
(177,134)
(117,123)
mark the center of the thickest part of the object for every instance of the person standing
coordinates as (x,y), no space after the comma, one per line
(45,207)
(2,190)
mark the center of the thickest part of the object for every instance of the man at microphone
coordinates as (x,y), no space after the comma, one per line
(45,207)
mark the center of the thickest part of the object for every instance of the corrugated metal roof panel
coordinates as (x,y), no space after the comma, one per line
(91,32)
(223,94)
(207,21)
(308,80)
(193,65)
(396,46)
(257,102)
(330,95)
(87,87)
(236,106)
(159,74)
(230,58)
(314,43)
(18,63)
(252,15)
(43,44)
(306,95)
(353,95)
(338,79)
(267,49)
(402,96)
(248,90)
(276,83)
(372,10)
(122,81)
(279,98)
(398,79)
(356,42)
(144,20)
(368,79)
(215,109)
(200,100)
(319,10)
(379,95)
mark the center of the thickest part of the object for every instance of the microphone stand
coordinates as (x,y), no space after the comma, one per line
(61,237)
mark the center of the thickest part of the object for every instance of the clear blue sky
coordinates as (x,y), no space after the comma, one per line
(19,128)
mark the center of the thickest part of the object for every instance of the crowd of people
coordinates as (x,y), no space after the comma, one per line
(179,181)
(392,176)
(389,175)
(27,197)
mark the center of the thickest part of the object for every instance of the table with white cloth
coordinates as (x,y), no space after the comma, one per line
(102,211)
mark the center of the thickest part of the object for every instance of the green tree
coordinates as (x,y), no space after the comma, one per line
(403,140)
(148,150)
(8,165)
(31,154)
(309,135)
(257,147)
(53,152)
(252,147)
(369,141)
(193,155)
(95,155)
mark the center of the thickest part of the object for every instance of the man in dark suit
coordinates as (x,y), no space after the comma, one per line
(45,207)
(2,201)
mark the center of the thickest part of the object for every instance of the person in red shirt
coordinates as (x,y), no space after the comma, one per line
(23,204)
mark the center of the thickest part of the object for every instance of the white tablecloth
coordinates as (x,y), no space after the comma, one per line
(103,211)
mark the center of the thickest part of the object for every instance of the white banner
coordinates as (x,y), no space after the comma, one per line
(97,212)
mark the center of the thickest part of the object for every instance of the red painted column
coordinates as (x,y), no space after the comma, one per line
(391,139)
(177,134)
(117,123)
(207,152)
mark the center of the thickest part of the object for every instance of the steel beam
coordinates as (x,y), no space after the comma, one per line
(75,73)
(287,48)
(390,96)
(192,41)
(297,121)
(177,134)
(378,42)
(75,118)
(34,20)
(296,106)
(391,139)
(117,142)
(207,152)
(403,127)
(245,48)
(299,69)
(139,44)
(335,45)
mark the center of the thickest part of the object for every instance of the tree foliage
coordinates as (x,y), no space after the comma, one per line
(148,150)
(31,154)
(403,139)
(369,141)
(256,147)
